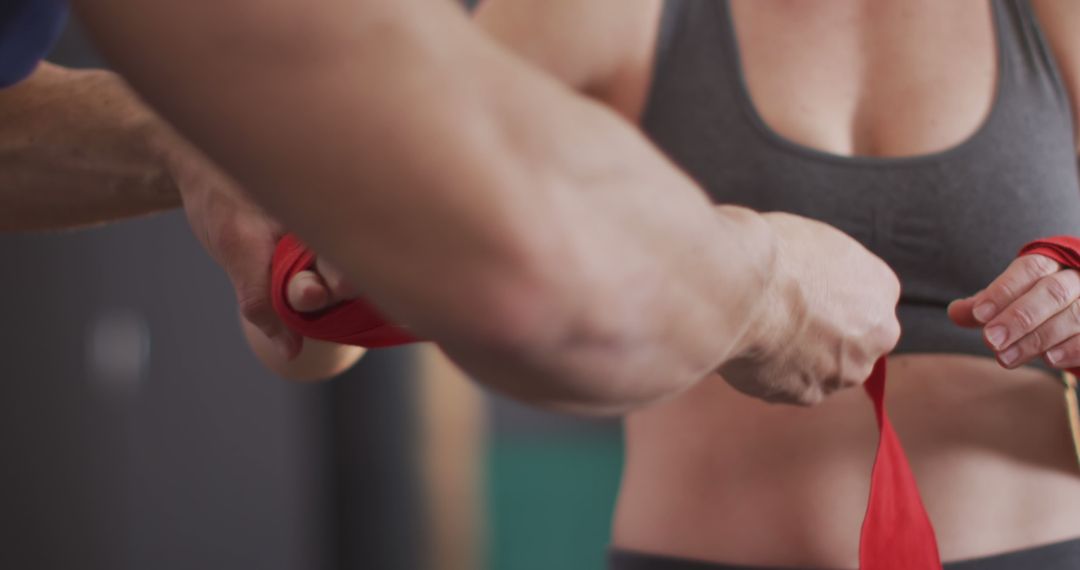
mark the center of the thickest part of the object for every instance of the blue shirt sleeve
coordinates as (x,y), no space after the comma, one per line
(28,29)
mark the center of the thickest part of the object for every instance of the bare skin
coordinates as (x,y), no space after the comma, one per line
(715,476)
(307,292)
(77,151)
(81,149)
(507,236)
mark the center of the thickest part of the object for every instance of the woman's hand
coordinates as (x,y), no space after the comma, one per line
(1030,310)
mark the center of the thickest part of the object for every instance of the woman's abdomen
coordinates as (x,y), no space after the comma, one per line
(716,475)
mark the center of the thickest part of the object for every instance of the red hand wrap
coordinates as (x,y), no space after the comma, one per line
(353,322)
(1062,249)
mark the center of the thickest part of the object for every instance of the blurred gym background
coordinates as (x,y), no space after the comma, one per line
(137,432)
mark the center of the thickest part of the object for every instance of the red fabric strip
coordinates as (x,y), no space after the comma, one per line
(896,532)
(1062,249)
(353,322)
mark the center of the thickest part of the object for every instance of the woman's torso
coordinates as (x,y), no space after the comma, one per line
(966,106)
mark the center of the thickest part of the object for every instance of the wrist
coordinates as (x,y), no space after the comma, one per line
(133,129)
(773,299)
(171,155)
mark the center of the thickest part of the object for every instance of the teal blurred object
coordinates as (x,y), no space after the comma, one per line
(550,500)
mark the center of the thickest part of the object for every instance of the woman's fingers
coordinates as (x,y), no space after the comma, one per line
(1049,296)
(1021,275)
(1056,330)
(961,311)
(1065,354)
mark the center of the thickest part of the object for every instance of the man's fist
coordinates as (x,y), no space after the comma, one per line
(827,316)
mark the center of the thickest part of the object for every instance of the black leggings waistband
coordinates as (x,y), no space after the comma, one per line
(1056,556)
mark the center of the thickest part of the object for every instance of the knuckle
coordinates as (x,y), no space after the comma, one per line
(1074,313)
(1070,276)
(890,336)
(1060,289)
(810,398)
(1035,341)
(892,281)
(879,340)
(255,308)
(1004,290)
(1024,317)
(1040,266)
(1037,266)
(863,372)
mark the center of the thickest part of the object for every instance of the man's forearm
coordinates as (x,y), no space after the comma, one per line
(539,238)
(75,150)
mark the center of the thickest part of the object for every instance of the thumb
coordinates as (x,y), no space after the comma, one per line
(306,293)
(961,312)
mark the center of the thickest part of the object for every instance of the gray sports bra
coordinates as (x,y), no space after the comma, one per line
(948,222)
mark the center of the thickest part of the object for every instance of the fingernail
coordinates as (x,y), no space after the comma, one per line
(1010,356)
(308,281)
(996,335)
(1055,355)
(311,293)
(984,312)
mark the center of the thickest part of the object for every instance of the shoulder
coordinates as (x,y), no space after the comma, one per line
(1060,20)
(591,45)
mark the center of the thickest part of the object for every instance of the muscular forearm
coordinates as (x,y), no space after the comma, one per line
(536,236)
(74,150)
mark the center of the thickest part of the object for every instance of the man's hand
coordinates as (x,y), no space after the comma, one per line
(1030,310)
(236,233)
(555,255)
(828,316)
